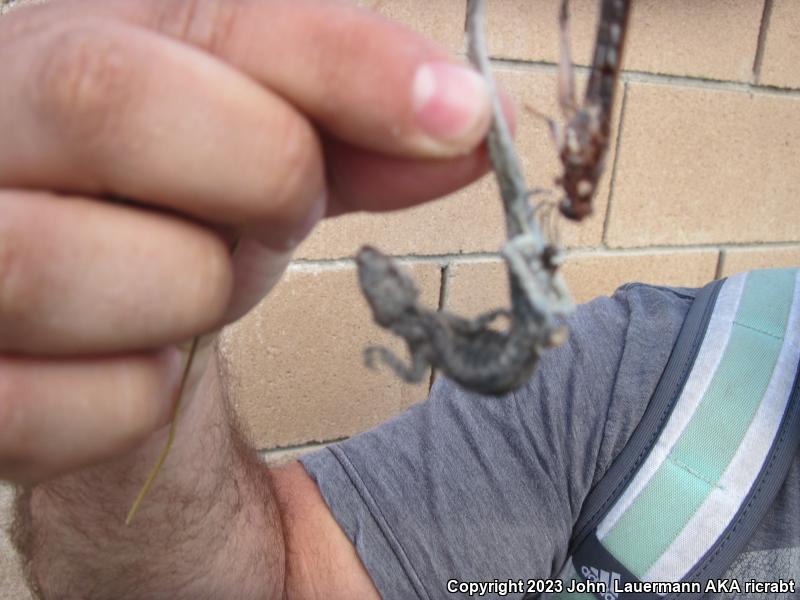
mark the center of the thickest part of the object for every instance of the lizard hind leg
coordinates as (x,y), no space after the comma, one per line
(480,323)
(486,319)
(411,374)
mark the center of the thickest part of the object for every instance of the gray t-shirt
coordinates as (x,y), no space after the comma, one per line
(467,488)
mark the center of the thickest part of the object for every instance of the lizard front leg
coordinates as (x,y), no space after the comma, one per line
(473,326)
(413,373)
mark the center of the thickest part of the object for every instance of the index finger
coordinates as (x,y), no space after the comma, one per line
(362,78)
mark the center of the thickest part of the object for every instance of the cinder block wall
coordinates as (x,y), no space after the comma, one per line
(703,180)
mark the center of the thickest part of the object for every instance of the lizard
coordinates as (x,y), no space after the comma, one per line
(469,351)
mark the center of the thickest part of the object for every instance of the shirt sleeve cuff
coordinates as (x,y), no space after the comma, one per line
(359,517)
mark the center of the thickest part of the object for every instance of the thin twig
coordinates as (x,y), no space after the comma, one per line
(198,342)
(507,166)
(173,425)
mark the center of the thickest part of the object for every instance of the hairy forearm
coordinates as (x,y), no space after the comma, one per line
(208,529)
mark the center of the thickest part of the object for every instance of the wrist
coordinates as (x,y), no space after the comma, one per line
(81,515)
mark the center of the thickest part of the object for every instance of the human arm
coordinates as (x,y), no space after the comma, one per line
(464,488)
(219,524)
(217,143)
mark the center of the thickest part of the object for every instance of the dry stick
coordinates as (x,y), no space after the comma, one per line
(505,161)
(154,471)
(538,292)
(197,342)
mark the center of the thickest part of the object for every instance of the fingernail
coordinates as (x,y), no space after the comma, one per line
(283,238)
(451,104)
(174,358)
(313,217)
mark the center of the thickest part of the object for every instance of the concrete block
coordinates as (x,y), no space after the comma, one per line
(592,275)
(471,220)
(475,287)
(780,63)
(705,166)
(714,40)
(736,260)
(297,373)
(442,21)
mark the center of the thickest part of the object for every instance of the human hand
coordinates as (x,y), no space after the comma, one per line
(216,120)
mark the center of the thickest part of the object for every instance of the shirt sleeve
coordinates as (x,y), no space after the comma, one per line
(468,488)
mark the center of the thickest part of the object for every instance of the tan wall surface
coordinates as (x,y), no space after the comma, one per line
(703,180)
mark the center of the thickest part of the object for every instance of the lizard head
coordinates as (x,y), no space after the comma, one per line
(390,291)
